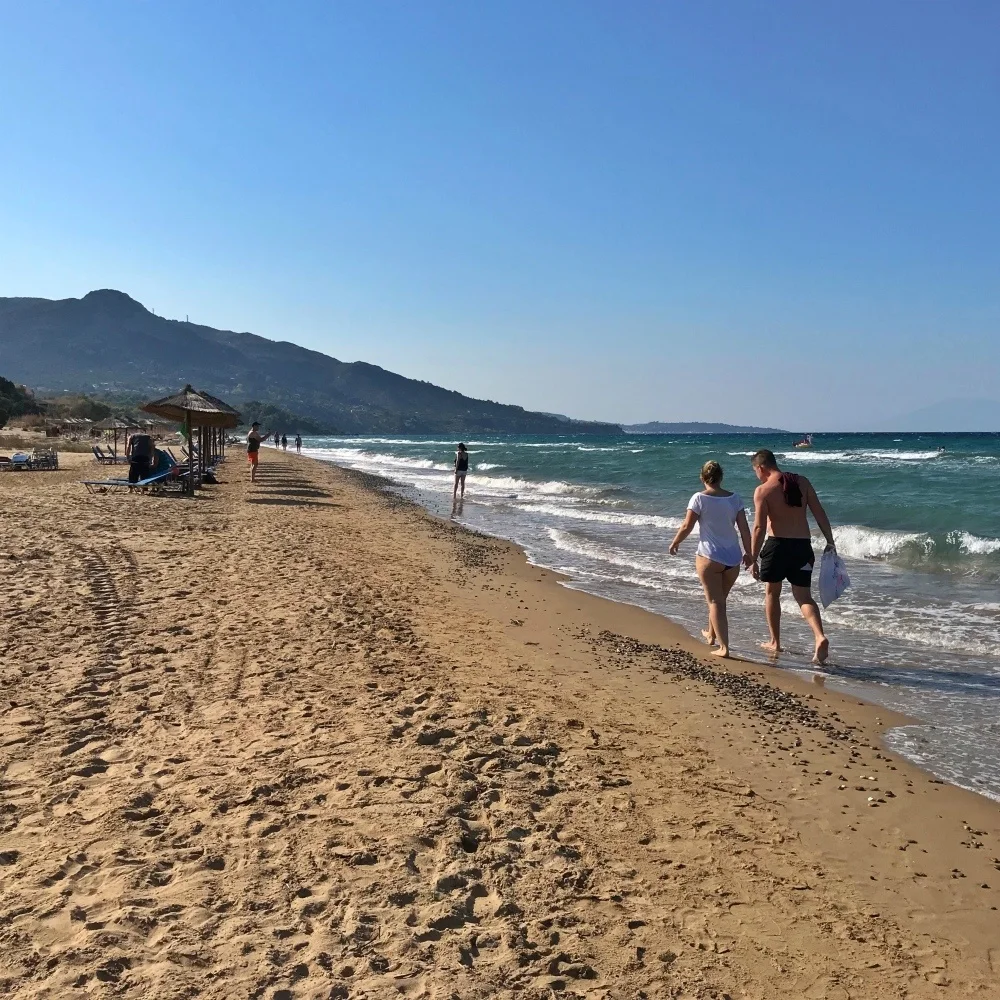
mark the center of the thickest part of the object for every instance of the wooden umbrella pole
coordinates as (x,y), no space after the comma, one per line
(190,441)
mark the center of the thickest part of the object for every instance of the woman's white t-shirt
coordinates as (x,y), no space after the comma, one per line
(717,527)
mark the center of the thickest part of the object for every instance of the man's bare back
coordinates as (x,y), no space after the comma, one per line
(781,505)
(784,521)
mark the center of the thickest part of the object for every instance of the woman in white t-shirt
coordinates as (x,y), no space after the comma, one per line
(718,514)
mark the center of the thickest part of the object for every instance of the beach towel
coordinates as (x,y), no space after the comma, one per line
(833,578)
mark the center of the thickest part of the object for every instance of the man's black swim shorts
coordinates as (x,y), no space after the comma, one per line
(790,559)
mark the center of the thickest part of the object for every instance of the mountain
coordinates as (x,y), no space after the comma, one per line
(108,343)
(697,427)
(950,415)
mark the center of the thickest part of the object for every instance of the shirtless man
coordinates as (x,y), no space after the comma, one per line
(254,439)
(780,505)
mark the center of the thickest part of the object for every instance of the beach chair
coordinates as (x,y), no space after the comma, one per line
(20,461)
(155,483)
(104,457)
(45,459)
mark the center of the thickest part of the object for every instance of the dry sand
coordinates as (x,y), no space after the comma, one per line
(300,739)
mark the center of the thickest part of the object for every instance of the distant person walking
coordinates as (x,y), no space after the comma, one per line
(254,440)
(284,443)
(461,470)
(718,514)
(139,452)
(780,505)
(298,443)
(277,440)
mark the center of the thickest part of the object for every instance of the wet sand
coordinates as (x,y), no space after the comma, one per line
(300,739)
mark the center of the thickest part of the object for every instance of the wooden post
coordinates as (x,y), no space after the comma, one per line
(190,444)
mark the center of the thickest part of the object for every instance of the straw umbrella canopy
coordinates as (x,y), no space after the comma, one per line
(115,425)
(193,409)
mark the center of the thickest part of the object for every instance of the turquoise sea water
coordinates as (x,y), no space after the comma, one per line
(917,517)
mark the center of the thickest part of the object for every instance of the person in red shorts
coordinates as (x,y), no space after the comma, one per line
(254,439)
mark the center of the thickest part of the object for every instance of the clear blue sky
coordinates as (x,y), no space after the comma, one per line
(626,211)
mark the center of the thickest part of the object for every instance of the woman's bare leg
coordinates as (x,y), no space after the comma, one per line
(717,581)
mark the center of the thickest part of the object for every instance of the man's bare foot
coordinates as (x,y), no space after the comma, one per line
(822,650)
(722,651)
(709,636)
(771,647)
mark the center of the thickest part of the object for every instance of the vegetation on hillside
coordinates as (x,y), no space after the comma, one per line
(15,401)
(276,418)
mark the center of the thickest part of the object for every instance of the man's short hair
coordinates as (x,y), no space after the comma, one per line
(764,459)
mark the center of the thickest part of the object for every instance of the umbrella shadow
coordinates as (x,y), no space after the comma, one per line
(291,502)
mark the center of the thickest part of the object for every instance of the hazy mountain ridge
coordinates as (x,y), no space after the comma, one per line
(108,342)
(696,427)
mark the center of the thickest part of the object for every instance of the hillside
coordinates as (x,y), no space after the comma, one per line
(15,401)
(107,342)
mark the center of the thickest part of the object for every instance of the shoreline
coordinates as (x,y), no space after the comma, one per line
(882,719)
(355,750)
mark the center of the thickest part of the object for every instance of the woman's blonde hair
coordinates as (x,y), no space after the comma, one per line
(711,473)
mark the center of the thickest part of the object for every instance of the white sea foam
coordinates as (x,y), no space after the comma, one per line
(807,456)
(486,466)
(973,544)
(511,485)
(584,447)
(605,517)
(437,476)
(856,541)
(348,441)
(361,458)
(650,565)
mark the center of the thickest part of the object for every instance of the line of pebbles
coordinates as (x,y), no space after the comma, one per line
(763,699)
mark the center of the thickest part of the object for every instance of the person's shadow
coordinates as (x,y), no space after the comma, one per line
(457,506)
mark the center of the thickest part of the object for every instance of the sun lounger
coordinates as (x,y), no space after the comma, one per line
(159,481)
(45,459)
(104,457)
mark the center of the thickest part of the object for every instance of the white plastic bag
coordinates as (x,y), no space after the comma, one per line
(833,578)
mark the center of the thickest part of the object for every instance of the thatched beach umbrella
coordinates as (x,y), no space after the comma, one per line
(193,409)
(218,434)
(115,425)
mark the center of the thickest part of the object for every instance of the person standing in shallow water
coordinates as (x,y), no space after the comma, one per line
(718,513)
(461,470)
(780,505)
(284,442)
(298,443)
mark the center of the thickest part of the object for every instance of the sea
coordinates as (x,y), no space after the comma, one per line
(916,518)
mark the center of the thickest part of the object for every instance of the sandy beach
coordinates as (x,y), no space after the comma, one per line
(299,739)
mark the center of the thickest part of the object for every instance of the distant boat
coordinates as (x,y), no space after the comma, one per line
(805,442)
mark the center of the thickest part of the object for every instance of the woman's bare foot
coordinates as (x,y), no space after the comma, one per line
(709,636)
(822,650)
(722,651)
(771,647)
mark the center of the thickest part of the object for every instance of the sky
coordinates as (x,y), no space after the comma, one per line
(776,213)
